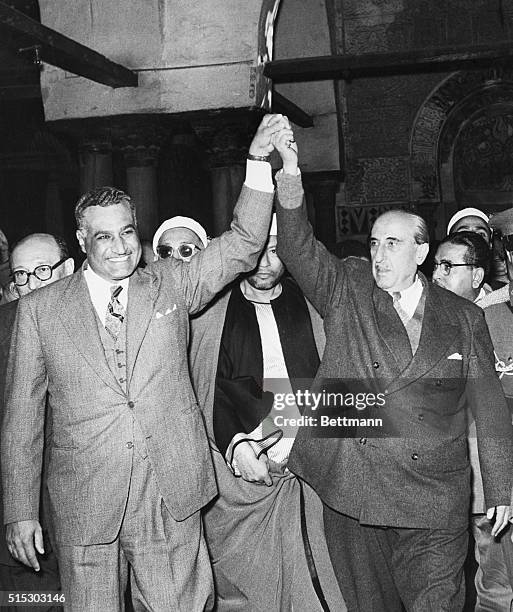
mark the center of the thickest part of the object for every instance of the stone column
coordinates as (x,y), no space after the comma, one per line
(141,185)
(54,218)
(226,142)
(323,188)
(95,156)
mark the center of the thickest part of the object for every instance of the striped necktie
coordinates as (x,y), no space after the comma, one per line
(115,312)
(403,315)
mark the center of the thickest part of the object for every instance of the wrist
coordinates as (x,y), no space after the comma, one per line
(262,158)
(290,168)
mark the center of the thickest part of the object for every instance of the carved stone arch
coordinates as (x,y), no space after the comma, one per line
(451,117)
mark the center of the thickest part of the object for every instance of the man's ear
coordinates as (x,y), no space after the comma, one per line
(422,251)
(69,266)
(80,233)
(477,277)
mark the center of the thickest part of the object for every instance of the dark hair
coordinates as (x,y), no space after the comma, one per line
(103,196)
(478,251)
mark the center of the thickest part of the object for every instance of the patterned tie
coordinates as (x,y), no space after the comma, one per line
(115,312)
(403,315)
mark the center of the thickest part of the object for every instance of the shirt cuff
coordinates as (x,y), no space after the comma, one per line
(259,176)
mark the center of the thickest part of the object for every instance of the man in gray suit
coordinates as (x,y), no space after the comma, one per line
(396,491)
(129,466)
(36,261)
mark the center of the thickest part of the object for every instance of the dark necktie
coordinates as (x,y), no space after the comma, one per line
(115,312)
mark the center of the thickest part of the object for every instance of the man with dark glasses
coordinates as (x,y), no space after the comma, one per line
(35,261)
(179,237)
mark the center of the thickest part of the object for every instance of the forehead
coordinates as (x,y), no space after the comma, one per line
(108,217)
(470,223)
(451,252)
(393,225)
(34,252)
(179,235)
(272,241)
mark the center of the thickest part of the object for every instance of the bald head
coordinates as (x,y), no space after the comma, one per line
(38,250)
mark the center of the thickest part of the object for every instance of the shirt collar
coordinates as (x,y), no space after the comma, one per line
(410,297)
(99,288)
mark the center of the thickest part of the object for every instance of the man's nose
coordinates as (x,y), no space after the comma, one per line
(264,262)
(33,282)
(119,246)
(379,253)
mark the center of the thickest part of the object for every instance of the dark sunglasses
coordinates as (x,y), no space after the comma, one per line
(185,251)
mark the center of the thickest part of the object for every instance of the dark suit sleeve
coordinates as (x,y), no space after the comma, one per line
(234,252)
(492,417)
(22,437)
(319,273)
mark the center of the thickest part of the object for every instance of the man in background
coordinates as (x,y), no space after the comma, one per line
(36,261)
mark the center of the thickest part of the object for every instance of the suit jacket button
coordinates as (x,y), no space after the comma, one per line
(421,417)
(130,445)
(131,404)
(438,383)
(414,456)
(363,440)
(375,365)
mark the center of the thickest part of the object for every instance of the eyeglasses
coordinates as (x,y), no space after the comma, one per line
(185,250)
(447,266)
(43,273)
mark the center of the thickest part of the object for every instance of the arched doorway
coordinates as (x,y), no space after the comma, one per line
(462,145)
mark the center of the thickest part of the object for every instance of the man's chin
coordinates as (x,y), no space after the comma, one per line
(263,285)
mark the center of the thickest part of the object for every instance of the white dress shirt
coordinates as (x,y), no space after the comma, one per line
(100,292)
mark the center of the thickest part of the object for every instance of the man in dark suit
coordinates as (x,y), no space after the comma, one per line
(396,497)
(130,466)
(36,261)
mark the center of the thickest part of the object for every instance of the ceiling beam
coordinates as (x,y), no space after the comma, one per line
(348,67)
(297,115)
(65,53)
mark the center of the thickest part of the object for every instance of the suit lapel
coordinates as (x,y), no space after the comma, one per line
(141,304)
(435,339)
(391,330)
(80,320)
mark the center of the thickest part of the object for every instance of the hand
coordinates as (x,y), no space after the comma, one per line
(286,146)
(252,469)
(4,248)
(261,144)
(502,516)
(21,537)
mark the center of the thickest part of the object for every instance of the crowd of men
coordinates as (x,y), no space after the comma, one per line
(159,437)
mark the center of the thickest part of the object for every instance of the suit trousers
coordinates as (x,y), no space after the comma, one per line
(494,576)
(167,559)
(382,569)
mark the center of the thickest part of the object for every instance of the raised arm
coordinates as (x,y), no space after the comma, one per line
(314,268)
(237,250)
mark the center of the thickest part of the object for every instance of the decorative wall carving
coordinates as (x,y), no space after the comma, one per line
(380,179)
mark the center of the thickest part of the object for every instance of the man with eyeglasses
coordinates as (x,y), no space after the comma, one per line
(460,265)
(396,491)
(35,261)
(179,237)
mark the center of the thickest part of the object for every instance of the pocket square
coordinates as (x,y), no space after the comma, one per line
(457,356)
(159,314)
